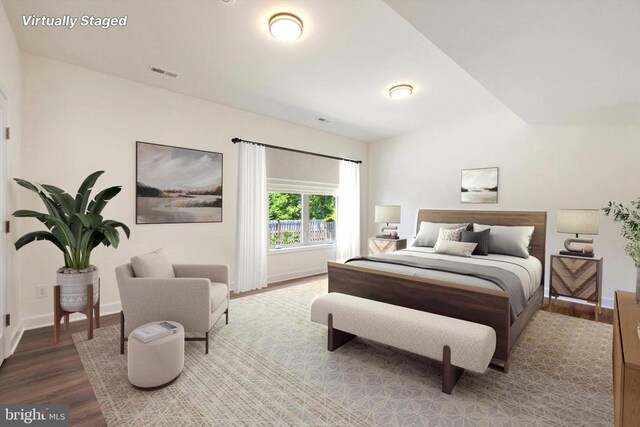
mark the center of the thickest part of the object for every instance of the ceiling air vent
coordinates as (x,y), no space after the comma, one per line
(163,72)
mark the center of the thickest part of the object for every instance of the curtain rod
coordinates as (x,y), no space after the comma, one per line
(236,140)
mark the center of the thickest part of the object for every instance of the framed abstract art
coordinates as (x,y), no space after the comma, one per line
(479,185)
(177,185)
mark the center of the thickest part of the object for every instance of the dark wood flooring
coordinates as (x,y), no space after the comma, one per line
(43,372)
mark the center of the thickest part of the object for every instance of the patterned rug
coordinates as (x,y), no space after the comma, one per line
(270,366)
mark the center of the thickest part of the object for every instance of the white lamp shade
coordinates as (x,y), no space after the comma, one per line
(389,214)
(578,221)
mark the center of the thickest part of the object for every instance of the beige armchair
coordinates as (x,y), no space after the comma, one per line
(196,298)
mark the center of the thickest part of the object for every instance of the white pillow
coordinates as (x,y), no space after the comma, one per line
(452,234)
(507,240)
(451,247)
(154,264)
(428,233)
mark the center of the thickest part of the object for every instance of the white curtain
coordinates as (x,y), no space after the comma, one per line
(252,231)
(348,211)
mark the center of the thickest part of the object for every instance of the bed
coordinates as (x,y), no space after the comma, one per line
(457,295)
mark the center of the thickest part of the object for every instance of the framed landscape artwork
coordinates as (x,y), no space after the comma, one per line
(177,185)
(479,185)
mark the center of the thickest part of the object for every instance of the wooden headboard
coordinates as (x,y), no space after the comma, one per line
(537,219)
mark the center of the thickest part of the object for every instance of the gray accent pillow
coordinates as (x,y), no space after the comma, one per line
(154,264)
(506,240)
(429,231)
(479,237)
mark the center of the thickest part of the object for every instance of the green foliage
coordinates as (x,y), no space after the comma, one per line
(630,219)
(285,206)
(322,207)
(75,225)
(288,206)
(288,238)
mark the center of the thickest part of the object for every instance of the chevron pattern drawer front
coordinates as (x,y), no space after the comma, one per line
(381,246)
(576,277)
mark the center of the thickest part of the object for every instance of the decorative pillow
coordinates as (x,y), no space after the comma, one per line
(451,247)
(154,264)
(512,241)
(452,234)
(428,233)
(479,237)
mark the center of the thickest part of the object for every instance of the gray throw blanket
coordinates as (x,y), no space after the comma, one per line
(505,280)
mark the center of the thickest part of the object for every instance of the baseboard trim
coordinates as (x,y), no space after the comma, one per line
(296,274)
(16,337)
(44,320)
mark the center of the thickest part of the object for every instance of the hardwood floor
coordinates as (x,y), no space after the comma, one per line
(583,311)
(43,372)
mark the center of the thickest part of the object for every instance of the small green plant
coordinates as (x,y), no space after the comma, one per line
(75,225)
(630,219)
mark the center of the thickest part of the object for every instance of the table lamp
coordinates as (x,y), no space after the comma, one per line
(387,214)
(578,221)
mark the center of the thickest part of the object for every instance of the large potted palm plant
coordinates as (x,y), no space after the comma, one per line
(76,227)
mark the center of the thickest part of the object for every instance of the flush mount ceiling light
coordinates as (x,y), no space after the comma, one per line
(400,91)
(285,27)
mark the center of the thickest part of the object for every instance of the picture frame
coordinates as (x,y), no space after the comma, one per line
(479,185)
(178,185)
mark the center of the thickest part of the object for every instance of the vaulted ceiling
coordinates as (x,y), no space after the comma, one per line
(549,61)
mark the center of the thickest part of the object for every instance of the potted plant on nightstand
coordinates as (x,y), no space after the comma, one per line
(630,219)
(76,227)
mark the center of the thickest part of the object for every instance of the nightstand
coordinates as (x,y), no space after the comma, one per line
(381,246)
(577,277)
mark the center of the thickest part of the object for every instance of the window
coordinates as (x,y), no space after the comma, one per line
(301,219)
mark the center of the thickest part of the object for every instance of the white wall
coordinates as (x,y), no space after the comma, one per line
(541,168)
(77,121)
(10,81)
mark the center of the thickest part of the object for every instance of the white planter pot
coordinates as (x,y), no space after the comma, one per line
(73,287)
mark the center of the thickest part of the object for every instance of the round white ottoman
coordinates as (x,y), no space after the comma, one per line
(157,363)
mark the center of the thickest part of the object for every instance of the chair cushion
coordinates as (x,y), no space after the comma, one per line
(153,264)
(219,294)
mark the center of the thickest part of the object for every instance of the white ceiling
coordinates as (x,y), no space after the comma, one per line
(549,61)
(351,52)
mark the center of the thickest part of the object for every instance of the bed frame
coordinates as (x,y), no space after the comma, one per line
(485,306)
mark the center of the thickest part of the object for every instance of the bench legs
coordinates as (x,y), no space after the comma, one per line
(450,373)
(336,337)
(500,366)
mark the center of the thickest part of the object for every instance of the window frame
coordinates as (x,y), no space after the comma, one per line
(305,234)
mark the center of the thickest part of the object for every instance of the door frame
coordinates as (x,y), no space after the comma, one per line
(4,216)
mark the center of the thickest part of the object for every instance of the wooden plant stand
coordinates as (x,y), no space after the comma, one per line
(58,313)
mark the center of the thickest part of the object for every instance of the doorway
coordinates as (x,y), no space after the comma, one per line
(5,336)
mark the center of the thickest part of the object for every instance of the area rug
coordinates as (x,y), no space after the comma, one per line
(270,366)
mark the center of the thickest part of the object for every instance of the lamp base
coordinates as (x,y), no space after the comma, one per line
(576,253)
(387,236)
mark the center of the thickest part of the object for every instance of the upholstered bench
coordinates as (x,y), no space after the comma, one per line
(158,363)
(458,344)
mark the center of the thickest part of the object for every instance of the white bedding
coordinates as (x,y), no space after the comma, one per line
(529,270)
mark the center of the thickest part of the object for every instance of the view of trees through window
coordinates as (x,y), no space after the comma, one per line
(291,224)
